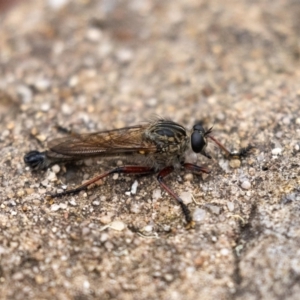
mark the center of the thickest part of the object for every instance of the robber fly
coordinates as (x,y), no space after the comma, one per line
(159,146)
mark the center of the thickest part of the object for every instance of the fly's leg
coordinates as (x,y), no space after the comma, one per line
(196,169)
(187,214)
(124,169)
(242,153)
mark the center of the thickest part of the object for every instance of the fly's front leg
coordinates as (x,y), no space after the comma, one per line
(124,169)
(161,175)
(242,153)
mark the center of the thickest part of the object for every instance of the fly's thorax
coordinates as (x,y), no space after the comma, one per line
(169,137)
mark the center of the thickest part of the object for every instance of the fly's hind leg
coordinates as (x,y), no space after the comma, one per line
(187,214)
(124,169)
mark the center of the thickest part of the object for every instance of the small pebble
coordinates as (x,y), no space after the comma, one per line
(94,34)
(188,177)
(260,157)
(10,125)
(42,84)
(5,133)
(18,276)
(251,171)
(169,277)
(29,191)
(41,137)
(224,252)
(73,81)
(85,231)
(152,102)
(55,169)
(72,202)
(45,107)
(214,238)
(166,228)
(204,176)
(214,209)
(39,279)
(63,205)
(134,187)
(109,245)
(135,208)
(156,194)
(45,183)
(66,109)
(96,203)
(104,237)
(286,120)
(57,4)
(51,176)
(20,193)
(119,163)
(224,164)
(86,285)
(234,163)
(55,207)
(276,151)
(12,202)
(230,206)
(117,225)
(186,197)
(246,185)
(156,274)
(105,219)
(199,215)
(148,228)
(124,55)
(25,93)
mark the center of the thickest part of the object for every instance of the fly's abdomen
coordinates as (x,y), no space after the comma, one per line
(41,160)
(36,160)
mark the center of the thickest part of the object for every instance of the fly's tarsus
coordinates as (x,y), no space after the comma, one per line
(244,151)
(161,144)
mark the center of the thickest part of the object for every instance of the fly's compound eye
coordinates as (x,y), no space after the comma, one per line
(198,142)
(199,127)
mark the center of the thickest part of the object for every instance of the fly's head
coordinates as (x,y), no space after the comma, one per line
(199,139)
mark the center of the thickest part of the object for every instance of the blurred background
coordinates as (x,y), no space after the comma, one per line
(89,65)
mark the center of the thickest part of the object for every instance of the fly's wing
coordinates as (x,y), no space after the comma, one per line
(125,141)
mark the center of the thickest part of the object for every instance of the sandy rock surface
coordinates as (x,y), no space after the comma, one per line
(94,65)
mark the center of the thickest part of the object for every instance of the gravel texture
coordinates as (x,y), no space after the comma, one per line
(92,65)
